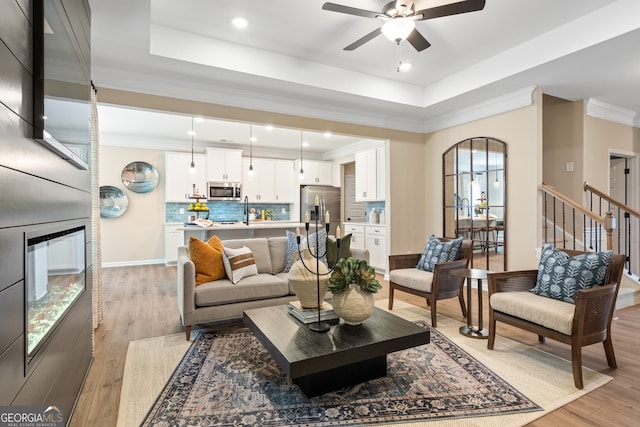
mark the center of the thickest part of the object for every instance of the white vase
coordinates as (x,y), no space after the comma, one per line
(305,283)
(354,305)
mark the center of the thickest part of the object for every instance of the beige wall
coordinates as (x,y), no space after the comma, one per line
(563,142)
(600,138)
(138,235)
(406,196)
(571,135)
(406,191)
(522,131)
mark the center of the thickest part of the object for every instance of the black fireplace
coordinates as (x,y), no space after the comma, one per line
(55,278)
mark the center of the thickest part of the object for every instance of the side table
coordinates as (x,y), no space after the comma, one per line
(479,275)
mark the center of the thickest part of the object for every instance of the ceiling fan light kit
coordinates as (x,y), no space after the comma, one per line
(398,29)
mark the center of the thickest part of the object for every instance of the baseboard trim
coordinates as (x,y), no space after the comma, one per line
(132,263)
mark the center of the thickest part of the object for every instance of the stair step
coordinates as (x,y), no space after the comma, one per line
(629,293)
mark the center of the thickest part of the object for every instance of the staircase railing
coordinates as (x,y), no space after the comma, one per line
(564,221)
(626,225)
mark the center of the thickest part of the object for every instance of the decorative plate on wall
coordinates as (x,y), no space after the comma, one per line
(139,177)
(113,202)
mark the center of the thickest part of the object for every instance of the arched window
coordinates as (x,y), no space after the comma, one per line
(474,198)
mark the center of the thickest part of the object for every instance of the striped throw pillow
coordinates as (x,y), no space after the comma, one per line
(239,263)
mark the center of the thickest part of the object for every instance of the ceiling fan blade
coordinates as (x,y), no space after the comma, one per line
(451,9)
(356,44)
(333,7)
(418,42)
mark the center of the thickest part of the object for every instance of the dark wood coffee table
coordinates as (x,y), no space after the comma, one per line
(346,355)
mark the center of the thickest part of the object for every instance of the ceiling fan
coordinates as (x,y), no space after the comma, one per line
(399,19)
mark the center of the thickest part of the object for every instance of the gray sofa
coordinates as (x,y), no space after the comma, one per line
(221,300)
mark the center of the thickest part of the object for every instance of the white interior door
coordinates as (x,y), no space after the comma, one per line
(353,211)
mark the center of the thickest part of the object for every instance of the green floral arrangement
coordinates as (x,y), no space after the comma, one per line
(353,270)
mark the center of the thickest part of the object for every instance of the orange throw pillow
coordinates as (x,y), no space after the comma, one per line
(207,258)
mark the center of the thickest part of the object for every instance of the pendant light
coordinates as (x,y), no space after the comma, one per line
(192,169)
(301,168)
(250,173)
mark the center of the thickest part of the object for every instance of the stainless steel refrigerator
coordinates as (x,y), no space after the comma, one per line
(329,200)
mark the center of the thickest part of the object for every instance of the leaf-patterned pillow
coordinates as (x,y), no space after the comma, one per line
(292,247)
(436,251)
(561,276)
(310,243)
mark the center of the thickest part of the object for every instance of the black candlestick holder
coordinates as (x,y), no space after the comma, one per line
(318,326)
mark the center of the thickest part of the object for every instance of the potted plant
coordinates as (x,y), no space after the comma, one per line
(268,214)
(353,283)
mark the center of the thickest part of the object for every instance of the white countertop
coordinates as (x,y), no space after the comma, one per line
(243,226)
(368,224)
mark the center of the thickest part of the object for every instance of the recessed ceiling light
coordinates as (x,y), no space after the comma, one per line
(191,132)
(198,119)
(305,144)
(327,134)
(253,139)
(269,127)
(404,66)
(239,22)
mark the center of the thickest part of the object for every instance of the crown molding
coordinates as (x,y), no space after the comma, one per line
(351,149)
(511,101)
(602,110)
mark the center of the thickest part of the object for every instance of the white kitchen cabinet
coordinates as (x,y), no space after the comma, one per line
(224,165)
(284,181)
(272,180)
(315,172)
(179,183)
(371,175)
(357,235)
(366,176)
(381,174)
(172,239)
(261,186)
(376,244)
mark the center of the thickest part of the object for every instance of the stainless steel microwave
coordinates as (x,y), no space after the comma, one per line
(223,191)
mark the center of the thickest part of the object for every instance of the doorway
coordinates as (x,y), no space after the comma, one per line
(474,196)
(623,187)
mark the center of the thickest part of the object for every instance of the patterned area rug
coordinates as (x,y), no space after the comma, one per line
(228,378)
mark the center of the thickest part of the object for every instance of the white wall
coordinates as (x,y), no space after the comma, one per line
(136,237)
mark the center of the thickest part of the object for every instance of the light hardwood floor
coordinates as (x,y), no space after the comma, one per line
(140,302)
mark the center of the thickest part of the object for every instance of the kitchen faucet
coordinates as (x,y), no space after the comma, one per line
(246,209)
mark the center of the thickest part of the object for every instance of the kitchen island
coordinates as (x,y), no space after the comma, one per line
(240,230)
(178,234)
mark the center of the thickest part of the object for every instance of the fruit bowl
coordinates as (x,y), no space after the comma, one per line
(198,207)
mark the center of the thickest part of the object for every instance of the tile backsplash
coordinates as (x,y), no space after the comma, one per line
(226,211)
(378,206)
(234,211)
